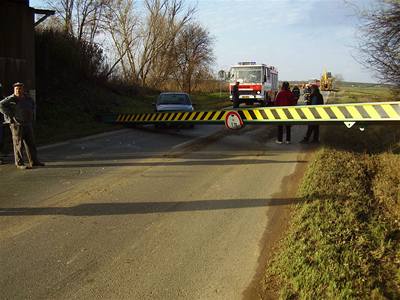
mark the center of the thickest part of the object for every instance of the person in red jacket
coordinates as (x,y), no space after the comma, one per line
(284,98)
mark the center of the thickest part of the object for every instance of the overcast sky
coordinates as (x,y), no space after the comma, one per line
(299,37)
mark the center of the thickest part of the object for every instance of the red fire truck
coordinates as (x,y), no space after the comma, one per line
(257,82)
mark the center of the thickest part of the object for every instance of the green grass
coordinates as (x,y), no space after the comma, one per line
(210,101)
(353,92)
(202,101)
(73,112)
(344,240)
(343,243)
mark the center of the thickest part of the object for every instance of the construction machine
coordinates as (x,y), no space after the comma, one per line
(326,83)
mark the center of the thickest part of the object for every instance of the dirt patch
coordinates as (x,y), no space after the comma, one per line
(278,223)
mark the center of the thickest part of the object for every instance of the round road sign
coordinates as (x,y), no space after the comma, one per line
(233,120)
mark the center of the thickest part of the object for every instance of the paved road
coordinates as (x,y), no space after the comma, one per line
(144,214)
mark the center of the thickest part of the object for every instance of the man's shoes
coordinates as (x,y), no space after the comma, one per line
(304,141)
(278,142)
(38,164)
(23,167)
(287,142)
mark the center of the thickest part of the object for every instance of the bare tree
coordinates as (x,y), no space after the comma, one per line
(80,18)
(64,10)
(150,47)
(122,25)
(144,45)
(89,15)
(194,55)
(165,19)
(380,46)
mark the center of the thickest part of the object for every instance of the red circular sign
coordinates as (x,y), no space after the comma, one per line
(233,120)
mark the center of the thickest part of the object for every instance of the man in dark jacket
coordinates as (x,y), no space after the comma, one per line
(307,93)
(316,98)
(296,92)
(235,95)
(18,110)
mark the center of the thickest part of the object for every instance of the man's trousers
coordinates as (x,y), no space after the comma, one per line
(22,136)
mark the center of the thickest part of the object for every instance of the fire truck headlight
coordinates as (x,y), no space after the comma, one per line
(258,92)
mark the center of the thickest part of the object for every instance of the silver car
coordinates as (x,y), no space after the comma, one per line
(173,102)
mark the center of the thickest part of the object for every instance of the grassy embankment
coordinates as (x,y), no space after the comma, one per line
(73,112)
(344,239)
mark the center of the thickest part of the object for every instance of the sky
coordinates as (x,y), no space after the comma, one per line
(299,37)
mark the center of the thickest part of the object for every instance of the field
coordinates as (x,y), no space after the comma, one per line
(362,92)
(344,240)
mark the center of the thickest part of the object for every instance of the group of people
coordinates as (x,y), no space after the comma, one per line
(18,110)
(287,97)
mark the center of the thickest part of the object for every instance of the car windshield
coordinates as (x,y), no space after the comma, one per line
(173,99)
(246,74)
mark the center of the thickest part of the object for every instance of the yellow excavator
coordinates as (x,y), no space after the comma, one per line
(327,81)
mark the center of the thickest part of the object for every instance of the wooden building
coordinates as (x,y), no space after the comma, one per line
(17,44)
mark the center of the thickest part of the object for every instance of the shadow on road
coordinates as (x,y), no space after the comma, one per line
(221,162)
(127,208)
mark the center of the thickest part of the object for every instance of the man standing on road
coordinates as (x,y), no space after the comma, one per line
(284,98)
(296,92)
(316,98)
(235,95)
(18,110)
(307,93)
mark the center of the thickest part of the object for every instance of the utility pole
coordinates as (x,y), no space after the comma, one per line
(221,76)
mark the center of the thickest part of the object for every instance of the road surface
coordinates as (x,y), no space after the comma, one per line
(145,214)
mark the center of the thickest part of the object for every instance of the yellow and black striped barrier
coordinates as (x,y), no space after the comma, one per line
(329,113)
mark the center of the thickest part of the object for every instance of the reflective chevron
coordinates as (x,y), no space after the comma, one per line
(171,117)
(361,112)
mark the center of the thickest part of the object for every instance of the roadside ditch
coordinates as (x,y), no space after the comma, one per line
(343,240)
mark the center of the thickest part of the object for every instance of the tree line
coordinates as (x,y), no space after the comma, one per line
(380,41)
(149,43)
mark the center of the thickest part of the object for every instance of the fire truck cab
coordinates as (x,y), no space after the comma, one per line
(257,82)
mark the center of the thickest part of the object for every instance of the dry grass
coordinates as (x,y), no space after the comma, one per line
(362,92)
(386,185)
(344,242)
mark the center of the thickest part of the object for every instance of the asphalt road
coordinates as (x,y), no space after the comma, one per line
(145,214)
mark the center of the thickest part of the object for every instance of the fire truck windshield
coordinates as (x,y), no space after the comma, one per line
(246,74)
